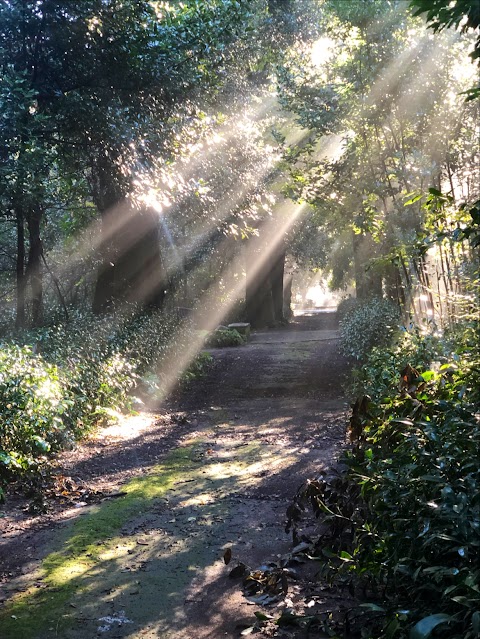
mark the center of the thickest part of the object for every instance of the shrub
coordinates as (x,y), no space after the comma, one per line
(403,516)
(35,404)
(58,382)
(225,337)
(368,324)
(379,373)
(346,305)
(418,458)
(197,368)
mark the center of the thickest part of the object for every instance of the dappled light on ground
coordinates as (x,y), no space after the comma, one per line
(126,427)
(153,555)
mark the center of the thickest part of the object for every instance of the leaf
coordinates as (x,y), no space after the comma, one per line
(425,626)
(476,622)
(413,200)
(263,600)
(404,422)
(302,546)
(227,556)
(262,616)
(463,601)
(373,607)
(392,628)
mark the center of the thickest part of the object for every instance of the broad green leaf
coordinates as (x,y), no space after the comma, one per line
(373,607)
(424,628)
(413,200)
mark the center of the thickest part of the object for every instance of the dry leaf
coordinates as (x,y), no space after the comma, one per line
(227,556)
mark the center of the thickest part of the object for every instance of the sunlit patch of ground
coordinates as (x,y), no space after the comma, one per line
(125,427)
(168,532)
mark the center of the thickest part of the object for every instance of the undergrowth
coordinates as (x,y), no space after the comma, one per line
(56,383)
(401,520)
(225,337)
(366,324)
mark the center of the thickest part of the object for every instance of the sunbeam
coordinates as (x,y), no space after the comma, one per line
(285,216)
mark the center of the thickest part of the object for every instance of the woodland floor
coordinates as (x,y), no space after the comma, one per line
(265,417)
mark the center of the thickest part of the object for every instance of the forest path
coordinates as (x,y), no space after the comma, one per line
(216,472)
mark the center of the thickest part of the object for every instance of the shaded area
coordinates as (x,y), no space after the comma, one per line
(266,416)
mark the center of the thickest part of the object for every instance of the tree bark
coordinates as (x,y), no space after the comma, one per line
(131,267)
(264,289)
(20,271)
(368,282)
(393,285)
(287,298)
(277,272)
(34,272)
(139,273)
(106,194)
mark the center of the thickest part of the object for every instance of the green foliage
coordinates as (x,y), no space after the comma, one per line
(198,367)
(35,403)
(412,346)
(225,337)
(76,376)
(368,324)
(346,305)
(403,516)
(372,93)
(441,14)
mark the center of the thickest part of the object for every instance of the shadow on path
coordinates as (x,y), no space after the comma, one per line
(149,564)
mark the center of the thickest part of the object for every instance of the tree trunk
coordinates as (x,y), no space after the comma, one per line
(131,267)
(264,289)
(277,272)
(393,285)
(34,265)
(258,295)
(368,282)
(259,303)
(106,194)
(287,293)
(139,273)
(20,271)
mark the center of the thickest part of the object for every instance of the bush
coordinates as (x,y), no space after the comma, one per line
(225,337)
(35,404)
(403,517)
(379,373)
(197,368)
(368,324)
(346,305)
(65,379)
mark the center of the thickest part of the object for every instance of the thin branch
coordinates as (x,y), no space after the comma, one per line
(57,286)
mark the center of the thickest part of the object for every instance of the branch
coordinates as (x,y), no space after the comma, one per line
(57,286)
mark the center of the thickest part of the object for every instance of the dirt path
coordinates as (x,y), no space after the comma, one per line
(215,471)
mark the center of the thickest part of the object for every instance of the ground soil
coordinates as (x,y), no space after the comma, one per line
(264,418)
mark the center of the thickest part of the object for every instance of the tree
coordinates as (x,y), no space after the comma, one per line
(115,82)
(383,104)
(462,14)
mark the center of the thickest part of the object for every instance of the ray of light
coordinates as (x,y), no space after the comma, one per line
(117,229)
(275,230)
